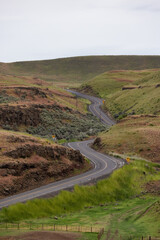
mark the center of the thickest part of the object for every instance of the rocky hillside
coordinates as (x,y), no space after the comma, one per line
(38,112)
(27,162)
(29,106)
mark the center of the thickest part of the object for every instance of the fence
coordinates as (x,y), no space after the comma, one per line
(150,238)
(100,234)
(51,227)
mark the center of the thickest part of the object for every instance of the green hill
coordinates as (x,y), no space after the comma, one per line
(127,92)
(143,99)
(79,68)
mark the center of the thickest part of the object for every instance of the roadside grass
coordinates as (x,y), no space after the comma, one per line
(134,136)
(122,184)
(134,217)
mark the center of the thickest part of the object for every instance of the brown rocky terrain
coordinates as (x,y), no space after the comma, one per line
(27,162)
(27,115)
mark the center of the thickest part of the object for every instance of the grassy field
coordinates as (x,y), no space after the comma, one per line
(131,219)
(78,69)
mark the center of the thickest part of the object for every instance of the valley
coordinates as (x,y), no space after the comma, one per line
(34,105)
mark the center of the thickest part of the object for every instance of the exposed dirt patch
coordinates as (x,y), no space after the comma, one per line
(88,90)
(123,80)
(44,236)
(153,187)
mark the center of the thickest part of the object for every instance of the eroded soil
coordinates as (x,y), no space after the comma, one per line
(44,236)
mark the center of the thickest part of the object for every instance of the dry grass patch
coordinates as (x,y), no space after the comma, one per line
(134,136)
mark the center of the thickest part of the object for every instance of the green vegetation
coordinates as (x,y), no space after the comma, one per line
(78,69)
(5,98)
(112,81)
(141,94)
(130,218)
(122,184)
(120,204)
(66,125)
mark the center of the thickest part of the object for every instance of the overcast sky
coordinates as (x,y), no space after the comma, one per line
(48,29)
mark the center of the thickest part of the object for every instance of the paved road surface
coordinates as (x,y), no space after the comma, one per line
(95,107)
(103,165)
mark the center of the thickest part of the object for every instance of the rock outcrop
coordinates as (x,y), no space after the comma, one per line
(28,163)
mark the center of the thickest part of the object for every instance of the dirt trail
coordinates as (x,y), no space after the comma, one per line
(44,235)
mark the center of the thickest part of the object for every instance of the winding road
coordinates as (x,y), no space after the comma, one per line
(103,165)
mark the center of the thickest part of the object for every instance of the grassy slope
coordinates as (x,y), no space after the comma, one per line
(79,68)
(112,81)
(140,100)
(137,135)
(145,100)
(133,136)
(59,95)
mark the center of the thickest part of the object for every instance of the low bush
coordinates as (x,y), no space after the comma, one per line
(66,125)
(4,98)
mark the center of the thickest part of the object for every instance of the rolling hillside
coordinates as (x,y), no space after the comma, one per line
(78,69)
(133,99)
(127,92)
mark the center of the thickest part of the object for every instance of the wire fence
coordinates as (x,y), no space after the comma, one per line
(55,227)
(150,238)
(51,227)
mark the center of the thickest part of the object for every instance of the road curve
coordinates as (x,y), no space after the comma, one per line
(103,165)
(95,107)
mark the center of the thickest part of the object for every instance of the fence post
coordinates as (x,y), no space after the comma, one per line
(142,237)
(149,237)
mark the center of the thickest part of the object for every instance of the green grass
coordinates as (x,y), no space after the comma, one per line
(121,185)
(137,101)
(133,217)
(120,103)
(112,81)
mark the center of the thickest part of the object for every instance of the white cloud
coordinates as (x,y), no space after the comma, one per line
(38,29)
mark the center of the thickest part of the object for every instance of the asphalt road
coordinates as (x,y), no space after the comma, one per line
(103,165)
(95,107)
